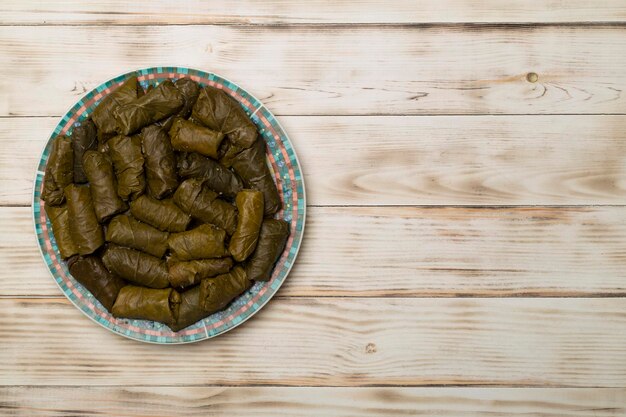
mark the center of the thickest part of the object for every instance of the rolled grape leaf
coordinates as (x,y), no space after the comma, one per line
(190,91)
(160,162)
(190,310)
(189,273)
(103,185)
(125,152)
(59,171)
(244,240)
(216,293)
(216,177)
(90,272)
(136,267)
(126,231)
(203,242)
(148,304)
(272,239)
(250,164)
(155,105)
(103,114)
(194,198)
(85,230)
(190,137)
(59,218)
(84,138)
(162,214)
(216,110)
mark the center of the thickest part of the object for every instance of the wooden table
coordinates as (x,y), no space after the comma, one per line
(465,251)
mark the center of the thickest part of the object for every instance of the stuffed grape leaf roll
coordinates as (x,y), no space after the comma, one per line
(126,231)
(91,272)
(216,177)
(85,230)
(136,267)
(165,215)
(204,242)
(155,105)
(160,162)
(148,304)
(190,310)
(103,114)
(190,91)
(250,164)
(103,185)
(125,152)
(244,240)
(216,110)
(216,293)
(190,137)
(84,138)
(189,273)
(272,239)
(194,198)
(59,171)
(60,220)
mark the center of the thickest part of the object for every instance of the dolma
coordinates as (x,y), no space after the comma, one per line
(244,240)
(216,110)
(216,293)
(85,230)
(203,242)
(216,177)
(190,310)
(155,105)
(190,137)
(190,91)
(189,273)
(162,214)
(60,220)
(103,114)
(250,164)
(59,171)
(91,272)
(103,185)
(228,152)
(136,267)
(160,162)
(194,198)
(148,304)
(126,231)
(272,239)
(125,152)
(83,139)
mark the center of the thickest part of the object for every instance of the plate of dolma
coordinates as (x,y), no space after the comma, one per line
(169,205)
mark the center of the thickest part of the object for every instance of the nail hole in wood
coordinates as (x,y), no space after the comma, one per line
(532,77)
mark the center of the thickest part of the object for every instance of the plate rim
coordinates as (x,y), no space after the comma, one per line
(207,335)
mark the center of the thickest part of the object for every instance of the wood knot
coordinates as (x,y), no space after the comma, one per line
(370,348)
(532,77)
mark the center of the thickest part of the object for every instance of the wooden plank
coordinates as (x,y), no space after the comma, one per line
(435,252)
(310,402)
(335,342)
(338,70)
(461,160)
(115,12)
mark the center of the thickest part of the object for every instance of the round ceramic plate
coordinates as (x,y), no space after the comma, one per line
(284,164)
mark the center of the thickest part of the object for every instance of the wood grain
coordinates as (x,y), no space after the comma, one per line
(437,160)
(310,402)
(411,252)
(334,342)
(118,12)
(343,70)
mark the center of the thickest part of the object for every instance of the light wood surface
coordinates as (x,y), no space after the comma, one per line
(339,70)
(412,252)
(142,12)
(414,160)
(335,342)
(312,401)
(465,246)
